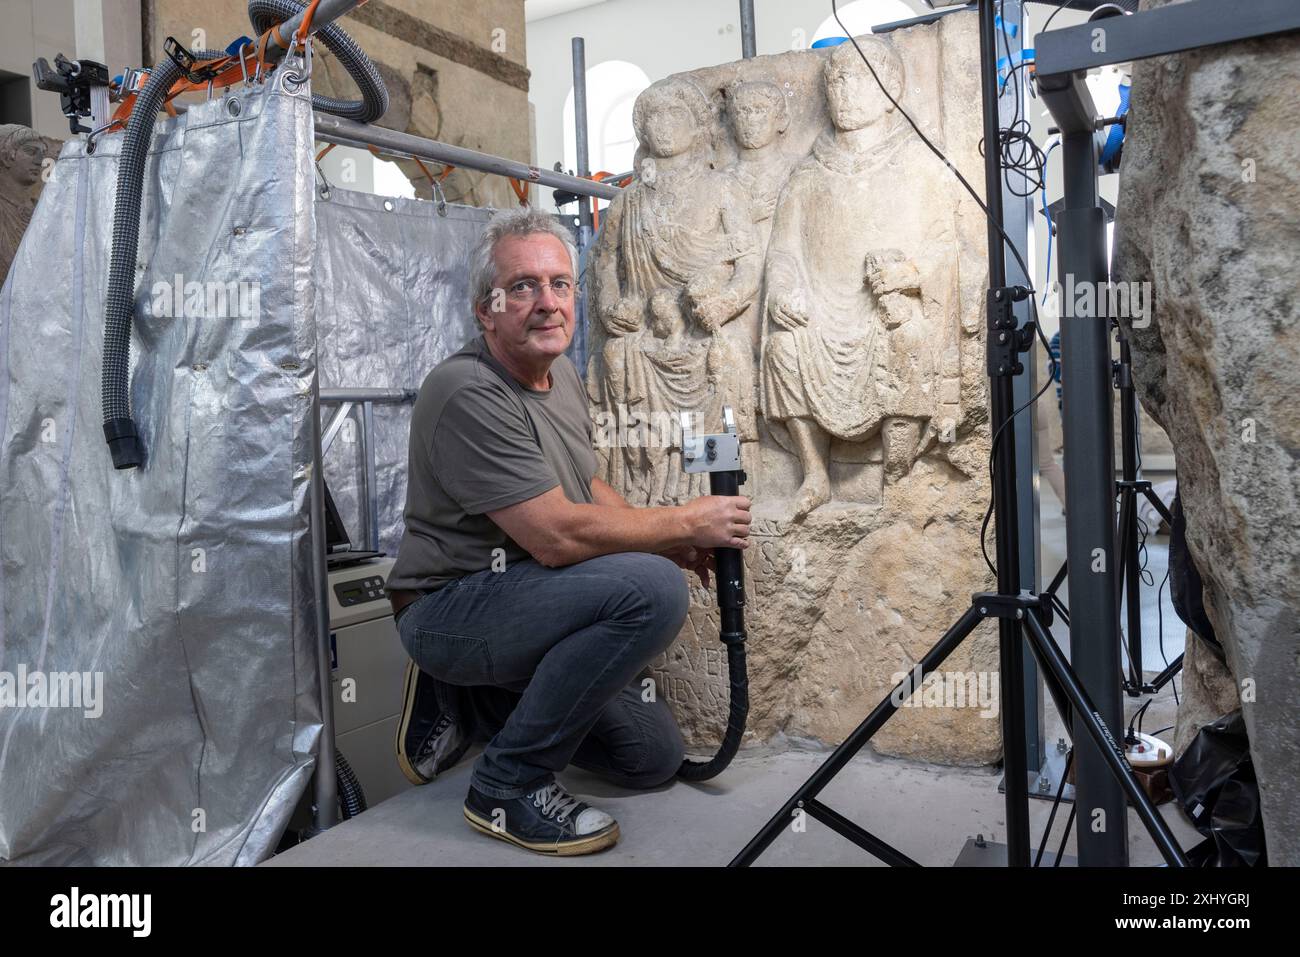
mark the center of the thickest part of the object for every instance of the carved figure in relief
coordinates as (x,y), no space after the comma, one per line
(759,114)
(849,352)
(686,263)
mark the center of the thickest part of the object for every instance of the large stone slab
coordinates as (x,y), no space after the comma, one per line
(1209,213)
(791,249)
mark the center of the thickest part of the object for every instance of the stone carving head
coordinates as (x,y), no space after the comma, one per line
(759,113)
(21,154)
(669,117)
(852,94)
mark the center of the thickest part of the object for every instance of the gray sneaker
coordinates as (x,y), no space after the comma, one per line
(429,740)
(548,820)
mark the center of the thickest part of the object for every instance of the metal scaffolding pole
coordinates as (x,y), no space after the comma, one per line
(580,134)
(748,42)
(335,129)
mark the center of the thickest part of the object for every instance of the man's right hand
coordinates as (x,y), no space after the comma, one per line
(718,521)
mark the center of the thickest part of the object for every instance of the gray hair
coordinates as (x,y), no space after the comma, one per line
(521,221)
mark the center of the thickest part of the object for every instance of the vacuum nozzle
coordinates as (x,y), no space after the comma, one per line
(123,443)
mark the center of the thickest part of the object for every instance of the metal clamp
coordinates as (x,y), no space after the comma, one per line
(185,60)
(1005,341)
(992,605)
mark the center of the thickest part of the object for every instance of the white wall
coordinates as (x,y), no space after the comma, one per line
(31,29)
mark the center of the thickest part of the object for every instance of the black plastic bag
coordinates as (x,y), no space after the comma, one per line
(1214,781)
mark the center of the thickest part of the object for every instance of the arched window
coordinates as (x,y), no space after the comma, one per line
(612,88)
(861,16)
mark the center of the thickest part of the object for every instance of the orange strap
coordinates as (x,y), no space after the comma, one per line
(603,177)
(521,189)
(306,21)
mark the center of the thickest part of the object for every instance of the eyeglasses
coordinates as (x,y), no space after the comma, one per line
(528,290)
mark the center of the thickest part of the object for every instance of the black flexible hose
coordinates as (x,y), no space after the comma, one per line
(264,14)
(119,310)
(730,574)
(352,800)
(737,714)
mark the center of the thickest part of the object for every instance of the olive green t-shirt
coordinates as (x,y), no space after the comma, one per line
(481,441)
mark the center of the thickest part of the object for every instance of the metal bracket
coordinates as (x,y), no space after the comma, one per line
(1123,375)
(183,58)
(992,605)
(1005,342)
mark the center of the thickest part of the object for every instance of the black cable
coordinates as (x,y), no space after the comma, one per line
(1060,791)
(1138,715)
(992,454)
(1069,822)
(924,139)
(1017,150)
(1061,6)
(1160,623)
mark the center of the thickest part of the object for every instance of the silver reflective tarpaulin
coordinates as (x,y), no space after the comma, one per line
(186,587)
(183,588)
(392,302)
(392,293)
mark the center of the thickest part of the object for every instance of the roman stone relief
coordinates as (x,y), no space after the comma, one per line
(790,248)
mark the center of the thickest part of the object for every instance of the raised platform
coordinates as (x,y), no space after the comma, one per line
(927,812)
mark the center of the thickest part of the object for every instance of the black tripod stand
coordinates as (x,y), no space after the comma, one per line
(1128,489)
(1091,533)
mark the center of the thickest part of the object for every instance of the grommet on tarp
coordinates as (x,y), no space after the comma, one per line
(439,197)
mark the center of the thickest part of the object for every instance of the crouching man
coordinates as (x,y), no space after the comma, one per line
(530,595)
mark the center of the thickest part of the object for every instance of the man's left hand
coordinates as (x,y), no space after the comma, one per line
(698,560)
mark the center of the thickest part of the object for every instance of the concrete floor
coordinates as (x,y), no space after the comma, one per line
(926,811)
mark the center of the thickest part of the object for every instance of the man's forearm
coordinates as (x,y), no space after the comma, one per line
(599,529)
(605,494)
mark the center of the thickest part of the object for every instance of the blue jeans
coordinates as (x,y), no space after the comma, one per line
(554,657)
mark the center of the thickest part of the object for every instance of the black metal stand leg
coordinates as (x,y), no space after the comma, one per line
(854,743)
(1129,578)
(1158,505)
(1050,659)
(1167,675)
(1050,594)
